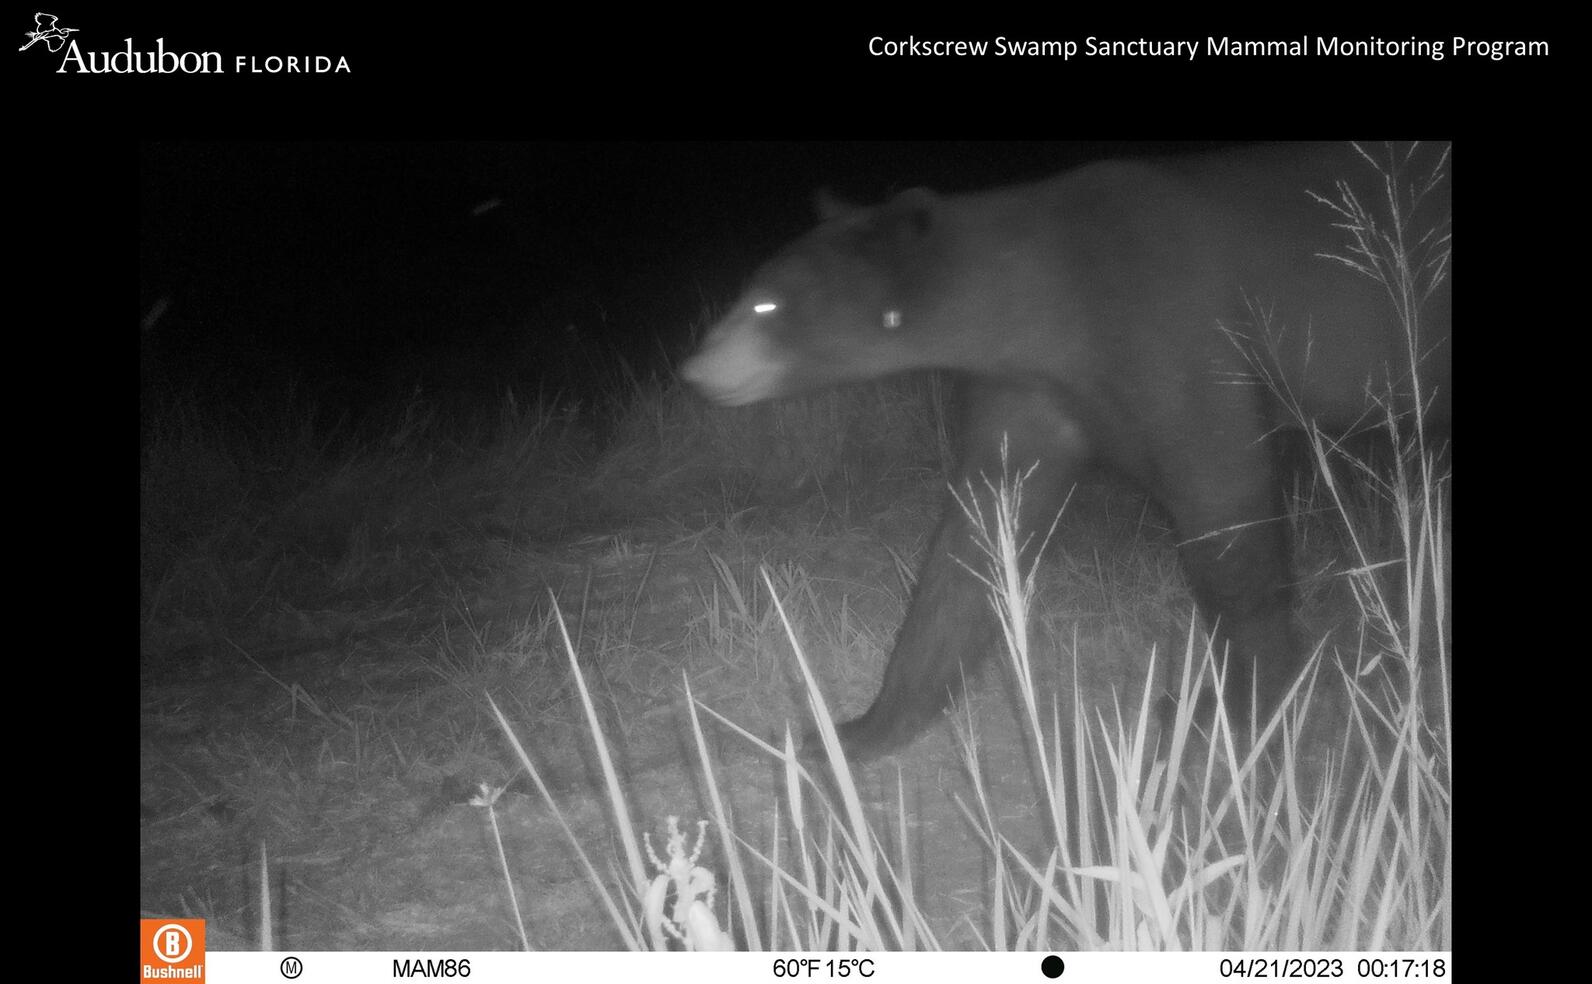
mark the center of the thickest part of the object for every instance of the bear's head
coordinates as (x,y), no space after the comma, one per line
(843,303)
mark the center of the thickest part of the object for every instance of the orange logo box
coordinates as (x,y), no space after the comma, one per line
(172,949)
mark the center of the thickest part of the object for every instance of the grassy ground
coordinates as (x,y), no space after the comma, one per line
(332,625)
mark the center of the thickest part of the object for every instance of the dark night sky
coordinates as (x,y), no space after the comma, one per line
(355,259)
(362,260)
(320,252)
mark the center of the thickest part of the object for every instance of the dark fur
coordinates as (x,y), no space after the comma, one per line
(1083,312)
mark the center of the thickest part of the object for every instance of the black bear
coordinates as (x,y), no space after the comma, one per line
(1116,315)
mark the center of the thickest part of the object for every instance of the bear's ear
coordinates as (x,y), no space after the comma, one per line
(830,207)
(911,213)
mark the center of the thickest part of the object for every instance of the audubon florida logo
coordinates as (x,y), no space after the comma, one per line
(127,60)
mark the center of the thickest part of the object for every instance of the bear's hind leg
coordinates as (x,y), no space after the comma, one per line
(1228,512)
